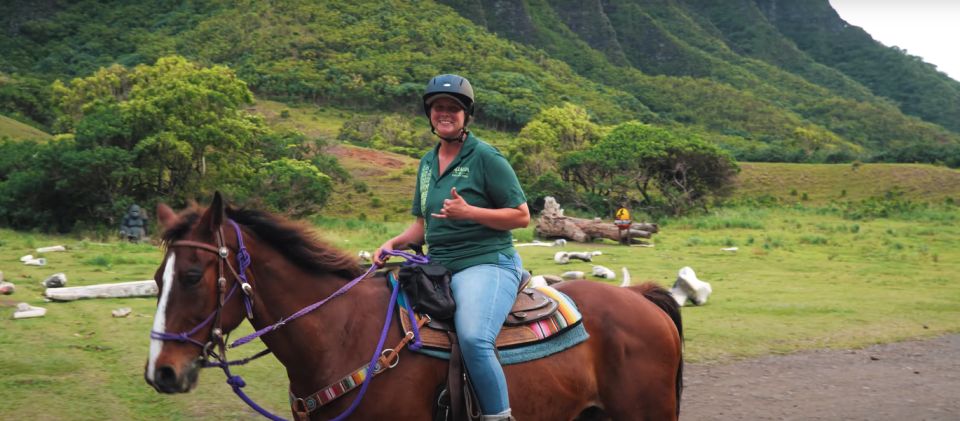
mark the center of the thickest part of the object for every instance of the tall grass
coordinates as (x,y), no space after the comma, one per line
(721,218)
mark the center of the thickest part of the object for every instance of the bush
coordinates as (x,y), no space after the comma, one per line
(294,187)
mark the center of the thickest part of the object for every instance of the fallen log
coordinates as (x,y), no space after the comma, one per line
(553,224)
(117,290)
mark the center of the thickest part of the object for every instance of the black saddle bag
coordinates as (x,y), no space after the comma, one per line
(427,287)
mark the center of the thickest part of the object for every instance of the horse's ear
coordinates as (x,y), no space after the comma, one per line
(215,214)
(166,216)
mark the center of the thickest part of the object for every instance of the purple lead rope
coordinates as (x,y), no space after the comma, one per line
(186,336)
(243,262)
(236,382)
(373,361)
(418,259)
(411,258)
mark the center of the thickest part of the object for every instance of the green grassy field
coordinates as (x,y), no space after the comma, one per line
(16,130)
(816,184)
(313,122)
(802,278)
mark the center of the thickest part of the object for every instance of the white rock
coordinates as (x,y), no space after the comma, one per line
(696,290)
(36,262)
(573,274)
(121,312)
(560,242)
(563,257)
(146,288)
(57,280)
(537,243)
(586,256)
(603,272)
(25,311)
(51,248)
(730,249)
(365,255)
(26,258)
(7,288)
(678,295)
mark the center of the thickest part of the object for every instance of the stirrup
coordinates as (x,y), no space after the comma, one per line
(503,416)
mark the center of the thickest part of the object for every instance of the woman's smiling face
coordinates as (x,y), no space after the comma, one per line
(447,117)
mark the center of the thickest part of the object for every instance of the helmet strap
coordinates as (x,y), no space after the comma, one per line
(459,138)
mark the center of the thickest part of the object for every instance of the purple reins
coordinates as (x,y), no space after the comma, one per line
(243,263)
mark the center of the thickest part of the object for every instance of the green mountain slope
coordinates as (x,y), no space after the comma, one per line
(916,87)
(779,90)
(750,75)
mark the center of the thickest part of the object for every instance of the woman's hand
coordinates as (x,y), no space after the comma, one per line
(454,207)
(412,235)
(503,219)
(379,261)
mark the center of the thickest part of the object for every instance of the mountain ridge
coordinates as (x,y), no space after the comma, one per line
(751,75)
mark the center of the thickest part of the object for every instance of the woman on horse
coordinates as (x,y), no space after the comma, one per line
(467,199)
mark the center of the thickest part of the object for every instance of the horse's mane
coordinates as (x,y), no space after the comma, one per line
(294,240)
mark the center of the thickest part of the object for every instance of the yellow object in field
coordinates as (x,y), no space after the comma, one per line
(623,214)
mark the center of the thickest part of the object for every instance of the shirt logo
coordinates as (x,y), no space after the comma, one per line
(461,172)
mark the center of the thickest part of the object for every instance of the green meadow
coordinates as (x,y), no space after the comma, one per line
(16,130)
(801,278)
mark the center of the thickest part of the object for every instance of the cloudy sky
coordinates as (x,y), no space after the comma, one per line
(926,28)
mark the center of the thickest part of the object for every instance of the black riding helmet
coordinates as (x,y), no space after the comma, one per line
(452,86)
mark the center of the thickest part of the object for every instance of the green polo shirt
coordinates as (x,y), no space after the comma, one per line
(484,178)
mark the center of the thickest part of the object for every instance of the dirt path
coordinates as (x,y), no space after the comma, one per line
(918,380)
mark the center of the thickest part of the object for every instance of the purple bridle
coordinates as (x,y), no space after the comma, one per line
(217,339)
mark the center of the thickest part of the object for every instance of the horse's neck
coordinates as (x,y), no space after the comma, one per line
(326,344)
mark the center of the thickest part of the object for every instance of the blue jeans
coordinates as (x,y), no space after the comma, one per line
(484,295)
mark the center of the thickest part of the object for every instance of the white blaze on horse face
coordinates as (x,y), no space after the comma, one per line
(160,319)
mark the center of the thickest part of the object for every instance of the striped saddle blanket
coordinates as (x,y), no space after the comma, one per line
(515,344)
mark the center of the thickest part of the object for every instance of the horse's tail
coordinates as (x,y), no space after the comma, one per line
(662,298)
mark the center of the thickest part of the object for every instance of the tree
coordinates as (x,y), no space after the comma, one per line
(172,130)
(671,173)
(692,171)
(179,119)
(553,132)
(57,184)
(294,187)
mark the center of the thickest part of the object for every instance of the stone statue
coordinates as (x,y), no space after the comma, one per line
(134,225)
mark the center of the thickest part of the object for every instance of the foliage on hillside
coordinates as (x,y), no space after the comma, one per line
(916,87)
(815,113)
(723,71)
(26,99)
(555,79)
(169,131)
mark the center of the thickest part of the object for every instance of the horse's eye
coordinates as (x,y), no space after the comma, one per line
(191,276)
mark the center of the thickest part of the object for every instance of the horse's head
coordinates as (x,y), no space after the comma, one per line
(195,305)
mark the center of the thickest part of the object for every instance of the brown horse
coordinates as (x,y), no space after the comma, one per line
(629,369)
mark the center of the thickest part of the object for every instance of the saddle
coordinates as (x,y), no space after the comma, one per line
(532,306)
(541,322)
(457,400)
